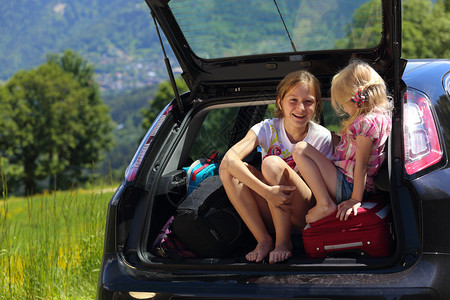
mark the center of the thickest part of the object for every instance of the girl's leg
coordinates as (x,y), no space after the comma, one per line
(277,172)
(253,210)
(320,175)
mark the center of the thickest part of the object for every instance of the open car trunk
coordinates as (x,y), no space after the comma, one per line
(211,126)
(233,88)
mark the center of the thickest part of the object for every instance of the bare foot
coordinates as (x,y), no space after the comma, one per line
(260,252)
(280,253)
(319,212)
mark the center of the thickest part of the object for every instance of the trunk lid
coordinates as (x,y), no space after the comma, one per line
(227,47)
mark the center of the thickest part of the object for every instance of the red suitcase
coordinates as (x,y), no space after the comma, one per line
(368,234)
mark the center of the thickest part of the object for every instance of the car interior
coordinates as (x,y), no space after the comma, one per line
(216,128)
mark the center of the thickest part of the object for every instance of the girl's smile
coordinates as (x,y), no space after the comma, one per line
(298,108)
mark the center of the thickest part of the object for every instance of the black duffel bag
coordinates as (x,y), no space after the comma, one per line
(207,223)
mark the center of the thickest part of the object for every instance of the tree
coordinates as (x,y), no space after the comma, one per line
(10,174)
(416,29)
(441,23)
(162,97)
(58,123)
(94,116)
(425,29)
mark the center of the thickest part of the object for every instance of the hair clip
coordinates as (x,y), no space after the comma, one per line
(359,98)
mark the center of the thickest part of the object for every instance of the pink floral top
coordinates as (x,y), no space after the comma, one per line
(376,125)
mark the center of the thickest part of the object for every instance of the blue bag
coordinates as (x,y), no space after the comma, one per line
(201,169)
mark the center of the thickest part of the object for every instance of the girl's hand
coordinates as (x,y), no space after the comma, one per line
(281,196)
(346,208)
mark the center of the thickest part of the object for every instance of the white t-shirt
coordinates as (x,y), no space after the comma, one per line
(273,140)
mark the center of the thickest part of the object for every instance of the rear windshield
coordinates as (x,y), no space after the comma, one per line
(227,28)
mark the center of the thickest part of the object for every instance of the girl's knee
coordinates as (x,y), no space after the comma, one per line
(222,171)
(274,169)
(300,148)
(272,163)
(224,175)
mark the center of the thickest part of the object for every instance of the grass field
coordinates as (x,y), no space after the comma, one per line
(51,244)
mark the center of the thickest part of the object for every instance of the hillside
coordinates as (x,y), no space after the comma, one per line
(125,110)
(118,37)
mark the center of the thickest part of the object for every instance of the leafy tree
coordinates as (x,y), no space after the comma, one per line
(82,71)
(162,97)
(94,117)
(8,173)
(425,29)
(440,23)
(58,123)
(365,29)
(416,29)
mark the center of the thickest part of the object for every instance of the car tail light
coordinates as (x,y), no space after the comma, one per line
(130,173)
(422,146)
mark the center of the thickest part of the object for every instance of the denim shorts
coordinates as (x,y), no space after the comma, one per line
(344,189)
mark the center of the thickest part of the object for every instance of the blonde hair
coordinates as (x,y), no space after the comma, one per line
(357,77)
(300,77)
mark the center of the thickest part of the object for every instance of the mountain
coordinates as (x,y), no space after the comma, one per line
(118,37)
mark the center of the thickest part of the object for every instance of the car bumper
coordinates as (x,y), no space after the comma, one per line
(426,279)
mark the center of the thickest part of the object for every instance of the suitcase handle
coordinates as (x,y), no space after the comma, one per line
(341,246)
(342,250)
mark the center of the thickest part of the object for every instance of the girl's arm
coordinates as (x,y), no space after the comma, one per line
(363,150)
(233,164)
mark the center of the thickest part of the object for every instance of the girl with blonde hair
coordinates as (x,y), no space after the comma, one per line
(342,183)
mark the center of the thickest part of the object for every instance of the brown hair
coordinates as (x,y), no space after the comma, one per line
(290,81)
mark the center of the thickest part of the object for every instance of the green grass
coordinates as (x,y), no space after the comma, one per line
(51,244)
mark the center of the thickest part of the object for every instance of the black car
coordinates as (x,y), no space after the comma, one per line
(233,54)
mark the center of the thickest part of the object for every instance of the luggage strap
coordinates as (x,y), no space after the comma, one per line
(209,160)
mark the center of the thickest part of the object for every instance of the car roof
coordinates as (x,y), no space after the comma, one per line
(225,45)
